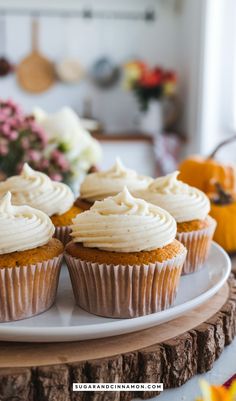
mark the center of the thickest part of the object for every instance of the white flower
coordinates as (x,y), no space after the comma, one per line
(64,128)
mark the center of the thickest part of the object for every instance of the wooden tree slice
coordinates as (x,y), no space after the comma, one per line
(171,353)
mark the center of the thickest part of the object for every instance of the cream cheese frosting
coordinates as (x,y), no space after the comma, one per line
(38,190)
(124,224)
(22,227)
(183,202)
(99,185)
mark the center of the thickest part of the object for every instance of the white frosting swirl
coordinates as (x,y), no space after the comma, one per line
(124,224)
(183,202)
(22,227)
(98,186)
(38,190)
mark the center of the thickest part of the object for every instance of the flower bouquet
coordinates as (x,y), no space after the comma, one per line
(149,83)
(28,139)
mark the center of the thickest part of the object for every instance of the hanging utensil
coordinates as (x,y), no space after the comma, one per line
(5,65)
(105,73)
(69,69)
(35,73)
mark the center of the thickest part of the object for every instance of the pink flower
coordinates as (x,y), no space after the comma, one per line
(56,177)
(6,129)
(25,143)
(34,155)
(15,108)
(42,136)
(3,149)
(2,115)
(13,135)
(44,164)
(26,140)
(6,111)
(56,154)
(60,160)
(36,130)
(13,122)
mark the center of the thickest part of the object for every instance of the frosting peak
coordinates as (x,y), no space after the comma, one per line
(184,202)
(27,171)
(5,204)
(122,203)
(22,227)
(124,224)
(38,190)
(98,186)
(118,170)
(168,184)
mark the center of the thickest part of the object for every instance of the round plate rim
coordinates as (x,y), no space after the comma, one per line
(116,327)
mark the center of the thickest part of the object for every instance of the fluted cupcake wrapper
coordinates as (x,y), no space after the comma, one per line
(125,291)
(198,245)
(26,291)
(63,234)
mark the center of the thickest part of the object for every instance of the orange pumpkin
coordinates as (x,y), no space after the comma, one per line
(203,172)
(223,210)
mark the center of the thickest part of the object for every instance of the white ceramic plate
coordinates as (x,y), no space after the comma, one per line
(67,322)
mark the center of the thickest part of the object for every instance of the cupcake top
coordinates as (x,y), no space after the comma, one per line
(38,190)
(98,186)
(22,227)
(183,202)
(124,224)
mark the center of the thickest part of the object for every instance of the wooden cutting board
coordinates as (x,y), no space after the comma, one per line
(35,73)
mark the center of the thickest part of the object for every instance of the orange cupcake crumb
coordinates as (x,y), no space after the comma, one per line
(193,225)
(32,256)
(65,219)
(122,258)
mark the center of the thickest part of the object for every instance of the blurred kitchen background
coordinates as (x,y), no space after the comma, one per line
(95,47)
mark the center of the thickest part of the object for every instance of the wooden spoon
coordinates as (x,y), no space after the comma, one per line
(35,73)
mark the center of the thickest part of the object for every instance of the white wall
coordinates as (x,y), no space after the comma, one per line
(170,41)
(218,116)
(190,49)
(87,40)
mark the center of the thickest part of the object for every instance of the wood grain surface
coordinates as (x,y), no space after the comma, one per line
(171,353)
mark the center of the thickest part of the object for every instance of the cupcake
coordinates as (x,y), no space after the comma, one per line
(100,185)
(190,207)
(30,261)
(124,260)
(39,191)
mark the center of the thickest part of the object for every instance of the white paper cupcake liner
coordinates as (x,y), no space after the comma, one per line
(125,291)
(63,234)
(198,246)
(28,290)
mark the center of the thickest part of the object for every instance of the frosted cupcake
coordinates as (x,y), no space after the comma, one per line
(39,191)
(190,207)
(124,260)
(100,185)
(30,261)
